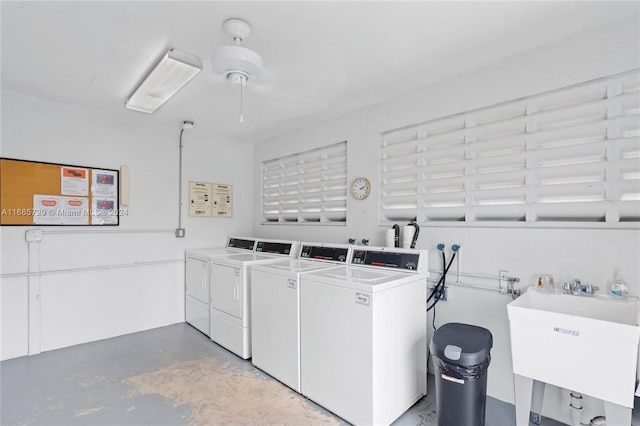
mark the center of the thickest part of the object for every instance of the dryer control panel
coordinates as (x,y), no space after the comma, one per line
(273,247)
(408,260)
(328,253)
(241,243)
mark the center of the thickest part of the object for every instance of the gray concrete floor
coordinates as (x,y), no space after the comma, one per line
(169,376)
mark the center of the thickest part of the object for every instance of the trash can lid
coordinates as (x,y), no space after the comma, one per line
(461,344)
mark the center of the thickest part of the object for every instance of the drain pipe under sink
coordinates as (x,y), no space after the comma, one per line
(576,408)
(576,412)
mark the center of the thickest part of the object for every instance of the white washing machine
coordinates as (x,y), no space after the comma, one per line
(275,309)
(230,283)
(363,335)
(197,279)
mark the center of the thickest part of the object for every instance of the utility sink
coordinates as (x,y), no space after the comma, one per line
(583,344)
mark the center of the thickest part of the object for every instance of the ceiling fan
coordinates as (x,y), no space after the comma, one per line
(239,64)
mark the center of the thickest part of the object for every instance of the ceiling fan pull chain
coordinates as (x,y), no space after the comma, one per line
(241,115)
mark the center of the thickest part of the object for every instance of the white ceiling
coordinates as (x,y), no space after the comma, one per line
(329,58)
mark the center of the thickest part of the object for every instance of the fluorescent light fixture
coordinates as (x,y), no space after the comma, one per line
(173,71)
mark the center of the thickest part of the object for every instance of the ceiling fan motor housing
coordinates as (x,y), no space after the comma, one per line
(228,59)
(237,29)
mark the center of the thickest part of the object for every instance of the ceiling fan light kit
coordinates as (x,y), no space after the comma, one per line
(237,78)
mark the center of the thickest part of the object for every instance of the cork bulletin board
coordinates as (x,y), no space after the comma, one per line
(38,193)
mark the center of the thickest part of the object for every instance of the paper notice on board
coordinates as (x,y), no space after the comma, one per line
(222,200)
(104,183)
(60,210)
(199,199)
(103,211)
(74,181)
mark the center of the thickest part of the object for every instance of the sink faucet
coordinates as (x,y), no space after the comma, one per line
(579,289)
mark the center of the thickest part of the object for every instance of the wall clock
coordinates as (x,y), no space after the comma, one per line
(360,188)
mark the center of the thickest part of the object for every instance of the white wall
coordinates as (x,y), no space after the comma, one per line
(525,252)
(132,275)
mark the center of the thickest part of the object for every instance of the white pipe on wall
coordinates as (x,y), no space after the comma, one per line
(468,285)
(106,231)
(34,306)
(500,289)
(91,268)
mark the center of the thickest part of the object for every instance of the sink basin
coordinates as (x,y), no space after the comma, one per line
(584,344)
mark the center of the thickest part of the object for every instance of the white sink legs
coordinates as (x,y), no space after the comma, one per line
(617,414)
(524,391)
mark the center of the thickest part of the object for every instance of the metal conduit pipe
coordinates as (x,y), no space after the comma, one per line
(180,230)
(489,277)
(463,284)
(510,289)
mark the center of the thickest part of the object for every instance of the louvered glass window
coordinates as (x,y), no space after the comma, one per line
(569,155)
(308,187)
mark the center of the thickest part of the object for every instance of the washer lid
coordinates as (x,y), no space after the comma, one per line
(240,259)
(209,252)
(362,278)
(294,266)
(359,275)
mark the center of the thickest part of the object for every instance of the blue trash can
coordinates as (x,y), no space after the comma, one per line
(461,355)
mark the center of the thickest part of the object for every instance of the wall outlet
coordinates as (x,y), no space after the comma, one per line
(444,294)
(33,235)
(180,233)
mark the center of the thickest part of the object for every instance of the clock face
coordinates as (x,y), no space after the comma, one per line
(360,188)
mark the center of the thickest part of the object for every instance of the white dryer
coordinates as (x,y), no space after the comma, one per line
(363,328)
(197,279)
(230,282)
(275,308)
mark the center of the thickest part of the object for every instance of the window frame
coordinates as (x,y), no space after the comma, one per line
(433,172)
(306,188)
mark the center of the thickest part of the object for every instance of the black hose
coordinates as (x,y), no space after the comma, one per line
(396,238)
(439,283)
(439,287)
(415,234)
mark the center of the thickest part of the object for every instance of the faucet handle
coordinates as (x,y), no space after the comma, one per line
(576,287)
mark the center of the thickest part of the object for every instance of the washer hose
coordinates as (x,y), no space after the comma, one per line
(415,234)
(439,287)
(396,238)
